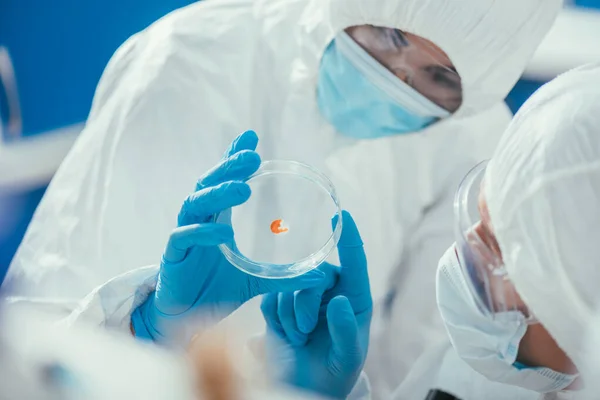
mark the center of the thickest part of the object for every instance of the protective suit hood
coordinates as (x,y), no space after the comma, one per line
(543,190)
(490,43)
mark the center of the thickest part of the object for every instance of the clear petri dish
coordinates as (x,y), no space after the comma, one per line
(285,228)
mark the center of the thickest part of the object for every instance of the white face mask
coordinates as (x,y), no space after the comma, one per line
(489,346)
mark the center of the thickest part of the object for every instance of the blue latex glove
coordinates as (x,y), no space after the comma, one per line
(330,358)
(195,280)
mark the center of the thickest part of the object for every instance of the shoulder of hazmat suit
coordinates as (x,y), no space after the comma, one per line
(174,95)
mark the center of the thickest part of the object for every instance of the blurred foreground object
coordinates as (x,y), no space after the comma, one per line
(222,374)
(41,360)
(212,360)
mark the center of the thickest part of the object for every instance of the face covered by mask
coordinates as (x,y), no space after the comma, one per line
(488,346)
(364,100)
(484,316)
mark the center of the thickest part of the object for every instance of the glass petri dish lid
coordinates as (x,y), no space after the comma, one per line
(285,228)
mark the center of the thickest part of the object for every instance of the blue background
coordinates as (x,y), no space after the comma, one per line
(59,49)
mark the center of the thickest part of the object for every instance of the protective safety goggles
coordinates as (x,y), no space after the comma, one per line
(479,255)
(417,62)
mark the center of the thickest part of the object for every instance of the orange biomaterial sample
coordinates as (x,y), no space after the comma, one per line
(277,228)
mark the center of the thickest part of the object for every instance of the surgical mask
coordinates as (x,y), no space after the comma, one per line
(364,100)
(489,346)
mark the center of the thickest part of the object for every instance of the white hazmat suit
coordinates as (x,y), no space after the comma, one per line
(542,188)
(174,96)
(592,343)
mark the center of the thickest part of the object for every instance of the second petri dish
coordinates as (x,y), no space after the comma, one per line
(285,228)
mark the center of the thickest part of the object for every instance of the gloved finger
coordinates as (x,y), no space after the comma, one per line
(354,277)
(346,353)
(308,301)
(202,204)
(268,307)
(185,237)
(287,317)
(235,168)
(245,141)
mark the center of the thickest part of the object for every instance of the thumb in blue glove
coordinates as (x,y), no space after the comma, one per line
(330,359)
(347,352)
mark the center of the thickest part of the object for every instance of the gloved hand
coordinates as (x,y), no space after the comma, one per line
(327,359)
(195,280)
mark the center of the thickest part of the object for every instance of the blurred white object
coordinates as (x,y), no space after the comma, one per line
(32,161)
(8,80)
(82,363)
(42,360)
(573,41)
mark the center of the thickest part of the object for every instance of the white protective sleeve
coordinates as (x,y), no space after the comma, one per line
(111,305)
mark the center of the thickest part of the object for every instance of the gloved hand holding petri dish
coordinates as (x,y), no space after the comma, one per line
(284,229)
(199,283)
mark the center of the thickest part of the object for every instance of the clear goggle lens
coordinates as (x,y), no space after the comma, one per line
(481,263)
